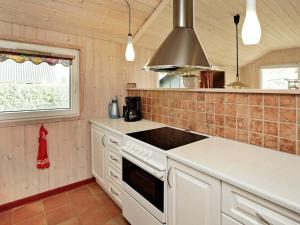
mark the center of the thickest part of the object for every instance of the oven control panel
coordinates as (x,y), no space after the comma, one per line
(146,154)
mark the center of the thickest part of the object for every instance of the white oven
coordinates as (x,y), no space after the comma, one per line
(144,197)
(144,172)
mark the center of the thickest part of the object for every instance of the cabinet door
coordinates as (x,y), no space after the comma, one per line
(193,197)
(226,220)
(251,210)
(98,156)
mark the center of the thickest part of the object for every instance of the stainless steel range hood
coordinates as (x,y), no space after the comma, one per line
(181,51)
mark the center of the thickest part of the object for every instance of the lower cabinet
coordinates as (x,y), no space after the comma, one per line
(193,197)
(114,174)
(226,220)
(114,191)
(250,209)
(106,161)
(98,156)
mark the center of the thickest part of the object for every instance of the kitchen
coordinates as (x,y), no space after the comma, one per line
(210,131)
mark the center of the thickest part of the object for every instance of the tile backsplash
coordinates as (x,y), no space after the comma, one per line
(269,120)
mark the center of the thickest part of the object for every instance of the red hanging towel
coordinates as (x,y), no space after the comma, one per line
(42,158)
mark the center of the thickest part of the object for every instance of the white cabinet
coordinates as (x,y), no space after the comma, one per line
(98,156)
(249,209)
(114,174)
(193,197)
(226,220)
(107,161)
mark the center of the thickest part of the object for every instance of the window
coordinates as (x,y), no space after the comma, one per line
(170,81)
(280,77)
(38,81)
(206,79)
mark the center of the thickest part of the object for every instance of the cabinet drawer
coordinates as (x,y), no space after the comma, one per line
(114,158)
(253,210)
(114,175)
(226,220)
(113,142)
(114,191)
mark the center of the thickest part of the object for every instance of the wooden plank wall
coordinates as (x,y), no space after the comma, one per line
(250,72)
(104,73)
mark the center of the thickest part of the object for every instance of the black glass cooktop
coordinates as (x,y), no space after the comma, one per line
(167,138)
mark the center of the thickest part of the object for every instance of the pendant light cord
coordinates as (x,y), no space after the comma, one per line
(129,19)
(236,21)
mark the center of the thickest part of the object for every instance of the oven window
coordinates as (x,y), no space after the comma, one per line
(150,187)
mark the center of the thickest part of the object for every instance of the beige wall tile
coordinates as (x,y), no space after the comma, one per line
(256,99)
(287,115)
(267,120)
(271,100)
(287,101)
(271,113)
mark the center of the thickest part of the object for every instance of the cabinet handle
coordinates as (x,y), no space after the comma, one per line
(114,176)
(103,140)
(114,142)
(262,220)
(168,177)
(113,192)
(113,158)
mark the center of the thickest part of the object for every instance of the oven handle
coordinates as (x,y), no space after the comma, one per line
(158,174)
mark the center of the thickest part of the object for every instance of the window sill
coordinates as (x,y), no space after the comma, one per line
(34,121)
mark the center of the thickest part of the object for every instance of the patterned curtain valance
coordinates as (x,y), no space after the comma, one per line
(35,57)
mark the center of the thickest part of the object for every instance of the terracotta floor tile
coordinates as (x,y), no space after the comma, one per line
(102,198)
(27,211)
(6,217)
(59,215)
(97,216)
(112,208)
(56,201)
(95,189)
(72,221)
(83,205)
(87,205)
(120,220)
(36,220)
(80,193)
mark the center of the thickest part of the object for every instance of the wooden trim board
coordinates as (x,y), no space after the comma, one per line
(222,90)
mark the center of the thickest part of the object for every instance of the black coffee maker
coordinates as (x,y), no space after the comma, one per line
(133,109)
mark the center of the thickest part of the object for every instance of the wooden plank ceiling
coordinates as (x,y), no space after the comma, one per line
(108,19)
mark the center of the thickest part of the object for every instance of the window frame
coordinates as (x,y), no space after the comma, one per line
(74,110)
(260,80)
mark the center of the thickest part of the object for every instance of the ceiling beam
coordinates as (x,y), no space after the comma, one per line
(161,6)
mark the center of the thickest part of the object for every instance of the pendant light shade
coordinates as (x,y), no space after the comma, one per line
(251,32)
(129,53)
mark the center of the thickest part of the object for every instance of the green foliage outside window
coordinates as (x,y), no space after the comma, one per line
(27,97)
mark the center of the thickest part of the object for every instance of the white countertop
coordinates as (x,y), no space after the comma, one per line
(272,175)
(122,127)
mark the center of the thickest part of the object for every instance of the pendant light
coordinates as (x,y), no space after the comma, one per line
(251,32)
(129,53)
(237,84)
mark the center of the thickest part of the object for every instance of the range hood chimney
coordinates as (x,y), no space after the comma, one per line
(181,52)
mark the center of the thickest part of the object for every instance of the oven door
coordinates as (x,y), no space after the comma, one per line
(145,185)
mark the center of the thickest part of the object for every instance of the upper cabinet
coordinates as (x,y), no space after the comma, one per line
(193,197)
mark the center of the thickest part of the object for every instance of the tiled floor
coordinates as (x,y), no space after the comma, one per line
(87,205)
